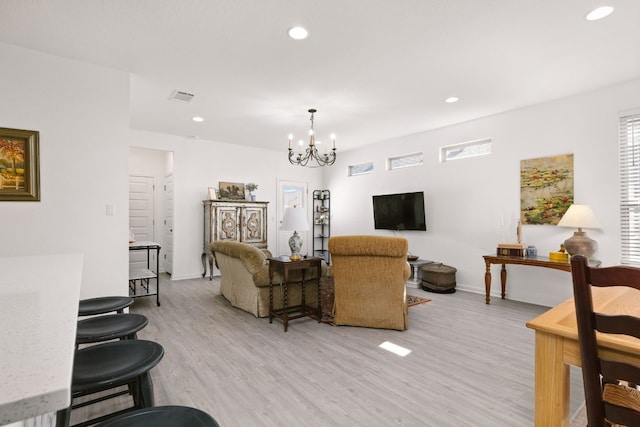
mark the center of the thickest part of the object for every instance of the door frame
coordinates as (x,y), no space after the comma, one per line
(282,246)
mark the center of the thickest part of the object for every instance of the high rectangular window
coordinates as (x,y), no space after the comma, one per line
(361,169)
(480,147)
(404,161)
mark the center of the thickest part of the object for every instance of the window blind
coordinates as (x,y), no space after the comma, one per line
(630,188)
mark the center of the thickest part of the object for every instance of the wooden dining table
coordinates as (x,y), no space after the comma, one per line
(556,348)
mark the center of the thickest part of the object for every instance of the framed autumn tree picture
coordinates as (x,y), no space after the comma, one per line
(19,167)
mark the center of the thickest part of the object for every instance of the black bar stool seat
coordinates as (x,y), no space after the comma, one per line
(109,327)
(112,364)
(163,416)
(109,366)
(102,305)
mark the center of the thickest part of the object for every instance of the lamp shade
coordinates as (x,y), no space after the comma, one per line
(579,216)
(295,219)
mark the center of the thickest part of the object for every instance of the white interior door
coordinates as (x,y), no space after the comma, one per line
(167,250)
(290,194)
(141,215)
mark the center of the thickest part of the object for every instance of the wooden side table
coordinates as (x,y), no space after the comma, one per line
(286,313)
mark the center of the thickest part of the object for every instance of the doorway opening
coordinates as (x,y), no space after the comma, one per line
(151,204)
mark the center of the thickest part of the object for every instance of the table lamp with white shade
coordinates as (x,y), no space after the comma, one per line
(295,219)
(580,216)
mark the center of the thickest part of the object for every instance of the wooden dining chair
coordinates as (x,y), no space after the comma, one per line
(610,386)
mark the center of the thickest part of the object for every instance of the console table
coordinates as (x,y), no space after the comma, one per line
(144,275)
(286,313)
(504,260)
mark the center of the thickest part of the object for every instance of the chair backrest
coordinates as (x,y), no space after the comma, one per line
(254,259)
(609,386)
(380,253)
(369,276)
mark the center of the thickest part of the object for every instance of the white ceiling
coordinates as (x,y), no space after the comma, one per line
(374,69)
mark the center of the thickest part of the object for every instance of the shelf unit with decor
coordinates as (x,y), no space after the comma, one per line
(321,224)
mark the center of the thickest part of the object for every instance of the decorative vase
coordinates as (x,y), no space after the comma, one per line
(253,197)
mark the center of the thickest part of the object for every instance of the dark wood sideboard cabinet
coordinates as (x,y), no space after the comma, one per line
(237,220)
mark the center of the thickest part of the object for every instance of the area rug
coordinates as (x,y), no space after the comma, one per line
(414,300)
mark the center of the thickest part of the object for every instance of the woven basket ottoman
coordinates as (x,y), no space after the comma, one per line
(439,278)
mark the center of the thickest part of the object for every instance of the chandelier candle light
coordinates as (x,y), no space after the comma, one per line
(295,219)
(311,152)
(580,216)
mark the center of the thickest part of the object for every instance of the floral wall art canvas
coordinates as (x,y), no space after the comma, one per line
(546,189)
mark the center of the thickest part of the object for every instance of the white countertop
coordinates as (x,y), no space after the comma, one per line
(39,298)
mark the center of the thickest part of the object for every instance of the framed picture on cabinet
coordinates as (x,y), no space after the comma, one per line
(231,190)
(19,165)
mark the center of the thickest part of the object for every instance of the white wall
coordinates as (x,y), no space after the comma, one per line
(81,112)
(200,164)
(472,204)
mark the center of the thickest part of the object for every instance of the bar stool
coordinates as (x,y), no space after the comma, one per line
(109,327)
(108,366)
(102,305)
(162,416)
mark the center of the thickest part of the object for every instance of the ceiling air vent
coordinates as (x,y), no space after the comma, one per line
(181,96)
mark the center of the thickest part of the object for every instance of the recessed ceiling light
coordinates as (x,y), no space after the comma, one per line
(197,119)
(451,100)
(599,13)
(298,33)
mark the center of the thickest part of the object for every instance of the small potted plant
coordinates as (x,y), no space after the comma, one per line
(251,187)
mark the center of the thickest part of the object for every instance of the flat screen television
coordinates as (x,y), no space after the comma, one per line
(403,211)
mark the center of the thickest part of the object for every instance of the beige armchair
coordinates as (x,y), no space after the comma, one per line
(244,278)
(369,276)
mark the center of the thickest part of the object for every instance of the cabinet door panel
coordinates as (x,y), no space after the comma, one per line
(254,228)
(227,223)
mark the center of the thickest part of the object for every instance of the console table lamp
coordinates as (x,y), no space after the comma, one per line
(295,219)
(580,216)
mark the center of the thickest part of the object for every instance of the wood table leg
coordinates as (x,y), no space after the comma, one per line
(503,279)
(551,382)
(487,283)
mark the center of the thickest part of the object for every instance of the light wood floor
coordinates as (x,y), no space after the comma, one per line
(470,364)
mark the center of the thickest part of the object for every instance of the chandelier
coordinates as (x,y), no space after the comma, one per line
(311,153)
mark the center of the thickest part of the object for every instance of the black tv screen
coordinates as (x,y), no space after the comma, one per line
(404,211)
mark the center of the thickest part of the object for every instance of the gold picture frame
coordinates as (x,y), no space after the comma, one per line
(19,165)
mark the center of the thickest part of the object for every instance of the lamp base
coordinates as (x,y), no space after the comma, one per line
(581,244)
(295,244)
